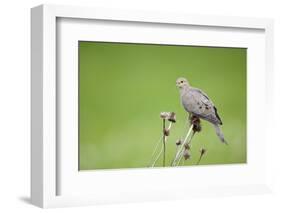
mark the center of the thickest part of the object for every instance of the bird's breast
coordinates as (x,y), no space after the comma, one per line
(186,101)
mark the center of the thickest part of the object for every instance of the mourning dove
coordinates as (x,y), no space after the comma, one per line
(197,103)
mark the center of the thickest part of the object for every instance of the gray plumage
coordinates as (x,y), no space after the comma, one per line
(197,103)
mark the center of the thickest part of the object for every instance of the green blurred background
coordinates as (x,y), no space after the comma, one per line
(124,87)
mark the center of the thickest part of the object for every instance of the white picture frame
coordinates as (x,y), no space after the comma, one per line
(49,185)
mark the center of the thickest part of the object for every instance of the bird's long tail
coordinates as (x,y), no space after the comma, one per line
(219,133)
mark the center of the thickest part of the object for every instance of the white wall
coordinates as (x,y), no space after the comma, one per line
(15,98)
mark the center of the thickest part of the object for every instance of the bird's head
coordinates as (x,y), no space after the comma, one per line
(182,83)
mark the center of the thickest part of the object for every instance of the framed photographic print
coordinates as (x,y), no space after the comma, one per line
(130,106)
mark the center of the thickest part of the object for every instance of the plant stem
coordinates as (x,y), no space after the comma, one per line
(158,156)
(199,159)
(201,155)
(181,154)
(182,146)
(164,144)
(156,147)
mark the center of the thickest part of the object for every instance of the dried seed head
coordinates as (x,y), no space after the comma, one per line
(164,115)
(186,154)
(187,146)
(172,117)
(178,142)
(166,132)
(203,151)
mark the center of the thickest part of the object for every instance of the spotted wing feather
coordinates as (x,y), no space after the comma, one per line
(203,107)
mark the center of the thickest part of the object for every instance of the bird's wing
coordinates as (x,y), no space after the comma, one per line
(203,106)
(199,94)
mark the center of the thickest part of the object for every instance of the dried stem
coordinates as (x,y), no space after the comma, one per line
(174,162)
(188,142)
(158,156)
(196,127)
(182,147)
(164,144)
(202,152)
(156,147)
(199,159)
